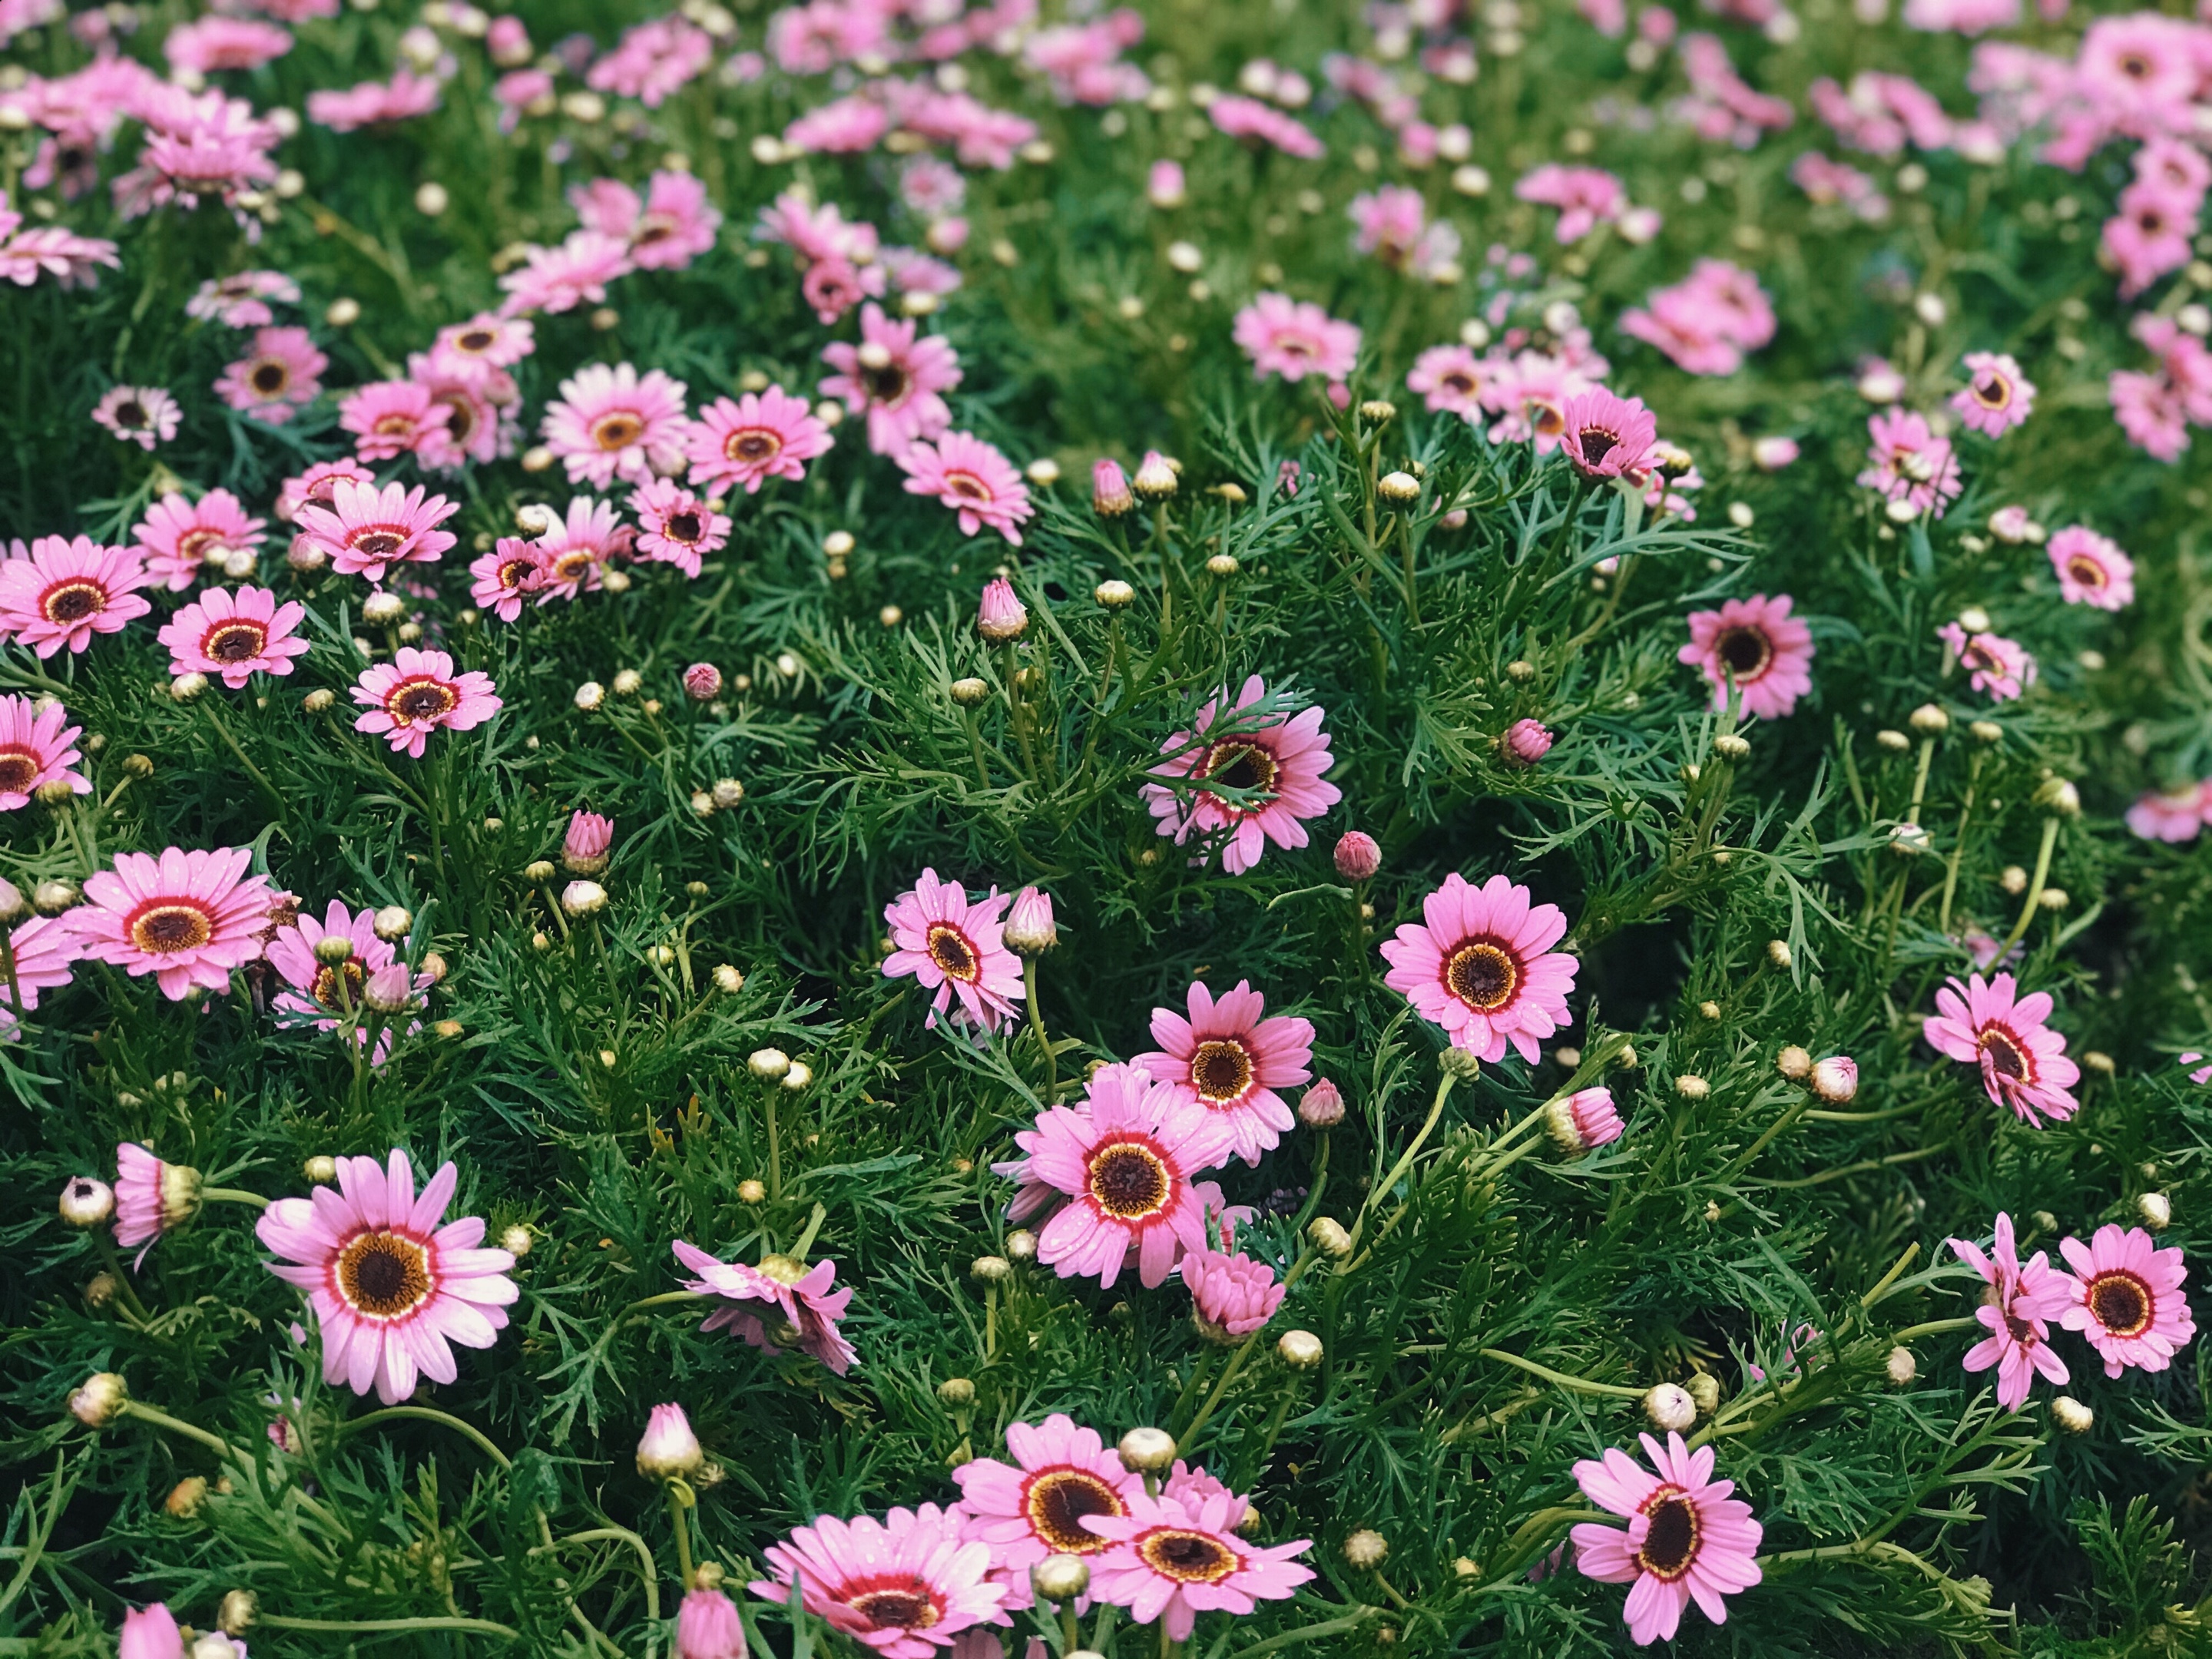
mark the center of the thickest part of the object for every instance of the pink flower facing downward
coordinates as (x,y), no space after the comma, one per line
(2091,570)
(1294,338)
(1175,1557)
(707,1627)
(1229,1060)
(896,376)
(1279,761)
(1481,966)
(392,1289)
(2017,1311)
(801,1295)
(282,371)
(1608,437)
(1687,1539)
(2023,1061)
(151,1197)
(61,592)
(1127,1162)
(45,952)
(366,530)
(2126,1298)
(178,538)
(676,526)
(1035,1506)
(418,692)
(234,635)
(1997,396)
(972,478)
(762,436)
(187,918)
(1993,663)
(905,1585)
(609,423)
(1233,1295)
(957,949)
(1758,647)
(142,415)
(37,748)
(1908,462)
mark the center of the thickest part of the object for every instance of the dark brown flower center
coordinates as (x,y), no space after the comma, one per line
(2006,1054)
(1058,1500)
(384,1275)
(2086,571)
(2122,1303)
(72,601)
(165,927)
(235,642)
(1241,765)
(1483,975)
(1547,420)
(684,526)
(18,768)
(968,487)
(413,702)
(476,339)
(570,564)
(1744,651)
(886,385)
(328,981)
(1129,1181)
(1672,1542)
(269,377)
(954,956)
(1460,383)
(395,426)
(750,444)
(1992,389)
(1221,1071)
(616,431)
(378,544)
(133,413)
(2135,66)
(907,1605)
(1190,1557)
(1597,443)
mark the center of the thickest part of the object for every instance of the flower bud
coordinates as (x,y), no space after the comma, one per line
(101,1400)
(1021,1245)
(668,1450)
(956,1392)
(727,793)
(1155,480)
(235,1616)
(1147,1451)
(969,691)
(185,687)
(628,683)
(2058,798)
(1731,746)
(1110,488)
(1366,1549)
(768,1064)
(540,871)
(1299,1349)
(1358,856)
(1114,594)
(1583,1120)
(1060,1578)
(1461,1065)
(382,607)
(798,1075)
(1029,929)
(12,903)
(1929,720)
(1222,565)
(1778,952)
(583,898)
(991,1269)
(1378,410)
(1400,488)
(751,1192)
(2156,1211)
(517,1240)
(728,980)
(590,695)
(51,898)
(185,1498)
(1001,616)
(2071,1415)
(707,1626)
(1329,1237)
(1671,1409)
(86,1202)
(703,682)
(1901,1367)
(392,923)
(1524,743)
(1321,1107)
(1704,1391)
(390,989)
(334,949)
(1987,732)
(1691,1086)
(1794,1063)
(1836,1080)
(322,1169)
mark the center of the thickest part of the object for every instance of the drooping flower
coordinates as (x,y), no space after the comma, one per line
(1233,1295)
(1583,1121)
(366,530)
(896,376)
(187,918)
(1035,1506)
(676,526)
(1757,647)
(44,949)
(809,1309)
(178,537)
(1294,338)
(956,948)
(1173,1558)
(392,1289)
(62,591)
(1480,965)
(2125,1297)
(418,692)
(151,1197)
(142,415)
(1993,663)
(2023,1061)
(906,1585)
(1997,396)
(151,1634)
(1608,437)
(282,372)
(1688,1540)
(762,436)
(38,746)
(235,635)
(1277,762)
(707,1627)
(2017,1311)
(972,478)
(2091,570)
(612,423)
(1228,1059)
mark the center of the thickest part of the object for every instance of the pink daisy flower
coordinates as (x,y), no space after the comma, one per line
(151,1197)
(1173,1558)
(366,530)
(501,578)
(762,436)
(1232,1296)
(2125,1297)
(1608,437)
(234,635)
(2171,815)
(418,692)
(318,485)
(391,1288)
(2092,569)
(187,918)
(1687,1539)
(1757,647)
(486,341)
(36,748)
(474,401)
(1585,197)
(897,377)
(1449,379)
(45,951)
(1277,762)
(141,415)
(671,227)
(282,371)
(577,272)
(1480,965)
(1035,1506)
(571,556)
(972,478)
(241,299)
(906,1585)
(955,949)
(319,995)
(1229,1060)
(2017,1311)
(609,423)
(177,537)
(810,1311)
(1294,338)
(1908,462)
(63,592)
(1997,396)
(2023,1061)
(1993,663)
(676,526)
(1127,1162)
(390,418)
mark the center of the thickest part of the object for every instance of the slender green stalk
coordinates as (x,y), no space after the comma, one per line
(2034,887)
(429,1414)
(1580,1385)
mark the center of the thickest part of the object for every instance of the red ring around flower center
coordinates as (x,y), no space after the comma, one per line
(1129,1181)
(1670,1544)
(1483,973)
(2122,1301)
(1055,1501)
(1221,1070)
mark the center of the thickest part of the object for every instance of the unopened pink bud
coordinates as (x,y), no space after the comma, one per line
(584,848)
(1166,188)
(707,1627)
(703,682)
(1358,857)
(1111,495)
(1525,742)
(1001,616)
(1836,1080)
(1322,1106)
(1030,930)
(1772,454)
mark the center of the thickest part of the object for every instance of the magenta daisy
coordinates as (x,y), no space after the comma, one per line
(1229,1060)
(571,555)
(1757,647)
(151,1197)
(972,478)
(2091,570)
(234,635)
(676,526)
(1035,1506)
(486,341)
(178,536)
(282,371)
(37,747)
(577,272)
(1997,396)
(187,918)
(808,1310)
(762,436)
(1908,462)
(63,592)
(956,948)
(1294,338)
(1608,437)
(1450,380)
(391,1288)
(1173,1558)
(1480,965)
(611,423)
(1993,663)
(317,486)
(418,692)
(142,415)
(45,951)
(2125,1297)
(390,418)
(2017,1311)
(366,530)
(321,995)
(896,376)
(501,578)
(906,1585)
(1279,761)
(1687,1539)
(2023,1061)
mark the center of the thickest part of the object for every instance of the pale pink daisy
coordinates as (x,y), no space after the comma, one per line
(37,747)
(318,486)
(282,371)
(366,530)
(45,952)
(62,591)
(475,401)
(2023,1061)
(1585,197)
(676,526)
(1232,1296)
(178,536)
(955,948)
(905,1586)
(807,1309)
(748,441)
(1035,1506)
(1277,763)
(210,44)
(392,1289)
(1171,1559)
(612,423)
(142,415)
(1480,965)
(1997,396)
(896,376)
(1756,648)
(572,554)
(2091,570)
(374,103)
(1993,663)
(487,340)
(2172,815)
(577,272)
(234,635)
(2016,1311)
(1688,1540)
(669,228)
(187,918)
(2125,1297)
(1449,379)
(1608,437)
(1294,338)
(972,478)
(151,1197)
(319,995)
(416,693)
(1908,462)
(390,418)
(1228,1059)
(241,299)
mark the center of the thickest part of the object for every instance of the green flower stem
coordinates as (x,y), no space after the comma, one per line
(1413,1150)
(1102,1627)
(1329,1627)
(1958,847)
(1071,1634)
(260,780)
(232,1195)
(429,1414)
(774,1152)
(161,1419)
(647,1570)
(666,1298)
(475,1626)
(1188,1437)
(2034,887)
(1037,1028)
(7,967)
(678,1501)
(1882,1284)
(1920,781)
(1580,1385)
(105,1243)
(1935,1327)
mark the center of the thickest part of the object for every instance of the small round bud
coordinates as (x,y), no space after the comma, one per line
(2071,1415)
(2156,1211)
(319,701)
(703,682)
(1836,1080)
(1060,1578)
(1329,1237)
(2058,798)
(1321,1107)
(1402,488)
(333,949)
(991,1269)
(969,691)
(1357,855)
(1155,480)
(2053,898)
(185,687)
(702,804)
(1300,1350)
(2099,1061)
(1521,671)
(382,608)
(235,1616)
(2013,879)
(186,1498)
(1115,595)
(1691,1086)
(1778,952)
(956,1392)
(1930,720)
(1974,619)
(628,682)
(1377,411)
(751,1192)
(1366,1549)
(1794,1063)
(517,1240)
(322,1169)
(1896,742)
(668,1449)
(86,1202)
(540,871)
(12,903)
(1461,1065)
(101,1400)
(1730,747)
(1222,565)
(1704,1389)
(1901,1367)
(768,1064)
(728,980)
(1709,1010)
(1670,1407)
(392,923)
(1987,732)
(590,695)
(1147,1451)
(583,898)
(799,1076)
(1021,1245)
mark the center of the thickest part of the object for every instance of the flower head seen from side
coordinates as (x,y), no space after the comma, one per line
(1277,763)
(1993,663)
(1687,1540)
(1996,397)
(187,918)
(1230,1060)
(366,530)
(38,746)
(45,952)
(1757,647)
(2023,1061)
(750,440)
(807,1309)
(1172,1559)
(957,949)
(972,478)
(1480,965)
(1608,437)
(416,693)
(1231,1295)
(2017,1309)
(707,1627)
(393,1285)
(905,1586)
(1036,1506)
(2175,815)
(2091,569)
(235,635)
(2125,1297)
(62,591)
(152,1197)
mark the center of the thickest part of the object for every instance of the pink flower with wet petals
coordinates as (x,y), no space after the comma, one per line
(1687,1540)
(417,693)
(234,635)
